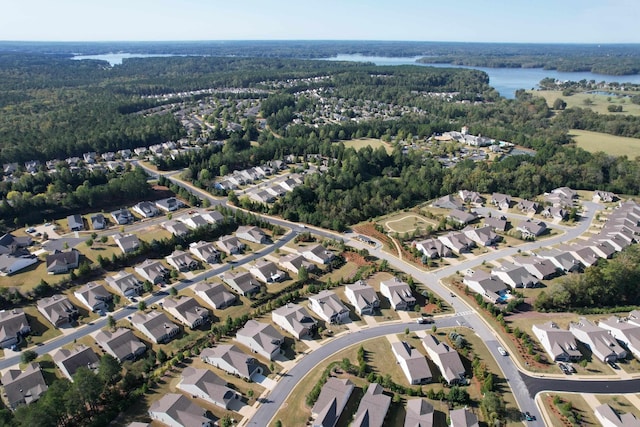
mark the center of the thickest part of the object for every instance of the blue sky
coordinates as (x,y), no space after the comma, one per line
(573,21)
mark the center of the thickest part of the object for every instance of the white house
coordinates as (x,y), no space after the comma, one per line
(261,338)
(328,306)
(294,319)
(363,297)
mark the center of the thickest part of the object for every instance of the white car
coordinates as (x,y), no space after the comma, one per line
(502,351)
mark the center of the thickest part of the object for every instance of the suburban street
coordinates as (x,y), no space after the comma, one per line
(524,386)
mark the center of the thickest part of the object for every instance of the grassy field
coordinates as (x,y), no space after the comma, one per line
(611,144)
(599,103)
(406,222)
(587,417)
(371,142)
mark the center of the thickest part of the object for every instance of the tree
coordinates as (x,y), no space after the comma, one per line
(559,104)
(103,239)
(89,242)
(147,286)
(434,328)
(88,385)
(110,369)
(142,306)
(28,356)
(161,356)
(111,322)
(173,291)
(303,274)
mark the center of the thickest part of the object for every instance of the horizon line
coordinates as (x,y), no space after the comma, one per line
(320,40)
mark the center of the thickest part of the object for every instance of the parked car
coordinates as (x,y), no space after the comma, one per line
(30,230)
(529,417)
(564,368)
(424,320)
(502,351)
(613,364)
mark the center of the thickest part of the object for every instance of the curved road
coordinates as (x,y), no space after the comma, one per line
(524,386)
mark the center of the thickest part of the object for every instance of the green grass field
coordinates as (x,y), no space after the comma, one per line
(371,142)
(599,103)
(405,222)
(610,144)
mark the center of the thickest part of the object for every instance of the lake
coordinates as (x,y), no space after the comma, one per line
(505,80)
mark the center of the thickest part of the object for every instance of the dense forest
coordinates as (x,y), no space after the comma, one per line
(613,59)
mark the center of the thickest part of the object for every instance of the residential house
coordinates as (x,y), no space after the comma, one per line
(446,359)
(13,326)
(515,276)
(181,261)
(125,284)
(23,387)
(127,242)
(251,234)
(170,204)
(628,333)
(373,407)
(176,228)
(482,236)
(122,216)
(433,249)
(58,310)
(76,222)
(457,241)
(531,229)
(241,282)
(472,197)
(232,360)
(89,157)
(498,223)
(213,217)
(32,166)
(616,241)
(230,245)
(603,345)
(121,344)
(608,417)
(604,196)
(176,410)
(585,255)
(528,207)
(363,297)
(152,270)
(187,311)
(461,217)
(13,245)
(261,338)
(559,344)
(267,272)
(108,156)
(398,293)
(565,192)
(555,213)
(295,319)
(94,296)
(262,196)
(488,286)
(318,253)
(68,361)
(463,417)
(448,202)
(563,260)
(332,400)
(98,222)
(146,209)
(541,268)
(419,413)
(328,306)
(62,262)
(155,325)
(205,251)
(294,262)
(11,264)
(413,363)
(194,221)
(206,385)
(215,295)
(501,201)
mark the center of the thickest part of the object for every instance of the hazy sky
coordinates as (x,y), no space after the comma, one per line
(581,21)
